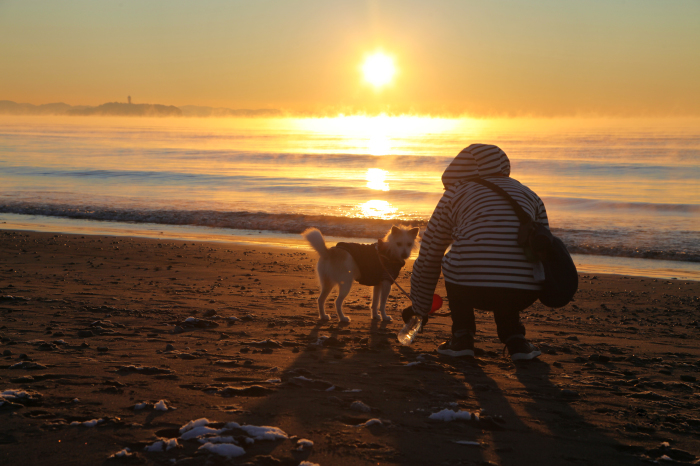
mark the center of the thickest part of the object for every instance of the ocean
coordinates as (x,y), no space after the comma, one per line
(615,189)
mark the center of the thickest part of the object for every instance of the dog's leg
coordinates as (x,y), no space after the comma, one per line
(343,290)
(385,289)
(326,287)
(376,297)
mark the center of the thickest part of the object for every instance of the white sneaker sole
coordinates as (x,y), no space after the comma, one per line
(456,354)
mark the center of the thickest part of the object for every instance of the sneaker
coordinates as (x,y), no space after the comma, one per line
(520,349)
(458,346)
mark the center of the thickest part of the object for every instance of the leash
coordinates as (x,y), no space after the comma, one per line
(434,314)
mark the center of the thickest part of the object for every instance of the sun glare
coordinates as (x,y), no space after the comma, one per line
(378,69)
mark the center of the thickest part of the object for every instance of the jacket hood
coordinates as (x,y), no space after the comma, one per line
(476,161)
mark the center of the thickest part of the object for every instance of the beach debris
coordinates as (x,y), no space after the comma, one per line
(162,445)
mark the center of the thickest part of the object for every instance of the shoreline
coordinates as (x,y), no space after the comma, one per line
(99,354)
(585,263)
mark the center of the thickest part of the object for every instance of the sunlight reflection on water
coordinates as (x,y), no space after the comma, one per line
(376,179)
(377,209)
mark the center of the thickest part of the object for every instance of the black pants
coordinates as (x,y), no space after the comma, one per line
(505,303)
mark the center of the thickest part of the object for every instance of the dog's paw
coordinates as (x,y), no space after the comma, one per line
(324,318)
(387,318)
(344,319)
(376,316)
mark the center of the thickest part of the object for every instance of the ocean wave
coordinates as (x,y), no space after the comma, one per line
(677,246)
(601,205)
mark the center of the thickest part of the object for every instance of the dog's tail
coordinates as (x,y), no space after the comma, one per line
(315,238)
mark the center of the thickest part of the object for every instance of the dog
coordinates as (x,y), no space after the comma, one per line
(369,264)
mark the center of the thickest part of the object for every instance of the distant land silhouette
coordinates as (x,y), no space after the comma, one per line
(8,107)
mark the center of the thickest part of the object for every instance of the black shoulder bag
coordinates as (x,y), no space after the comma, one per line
(540,245)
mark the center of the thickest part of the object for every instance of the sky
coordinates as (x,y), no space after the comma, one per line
(478,58)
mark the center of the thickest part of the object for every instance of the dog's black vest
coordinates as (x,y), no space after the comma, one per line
(367,258)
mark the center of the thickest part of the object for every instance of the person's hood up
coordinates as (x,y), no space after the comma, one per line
(476,161)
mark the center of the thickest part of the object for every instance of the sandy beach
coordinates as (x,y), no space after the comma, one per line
(116,343)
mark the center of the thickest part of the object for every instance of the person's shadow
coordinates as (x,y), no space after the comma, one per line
(364,399)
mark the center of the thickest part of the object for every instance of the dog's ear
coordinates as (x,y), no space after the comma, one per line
(395,231)
(413,232)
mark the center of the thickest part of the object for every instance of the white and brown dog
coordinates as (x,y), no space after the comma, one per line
(370,264)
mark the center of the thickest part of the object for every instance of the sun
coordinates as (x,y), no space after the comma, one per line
(378,69)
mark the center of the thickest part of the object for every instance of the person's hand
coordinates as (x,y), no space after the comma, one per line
(408,313)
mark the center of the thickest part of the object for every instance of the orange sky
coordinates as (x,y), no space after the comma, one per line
(538,58)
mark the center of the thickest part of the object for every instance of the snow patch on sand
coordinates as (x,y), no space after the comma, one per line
(223,449)
(304,444)
(161,406)
(16,395)
(122,453)
(467,442)
(192,424)
(260,432)
(448,415)
(160,445)
(198,432)
(90,423)
(302,378)
(139,406)
(360,406)
(371,422)
(218,440)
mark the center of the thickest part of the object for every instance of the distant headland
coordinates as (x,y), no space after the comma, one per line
(8,107)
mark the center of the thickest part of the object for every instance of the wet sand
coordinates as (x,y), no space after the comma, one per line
(93,326)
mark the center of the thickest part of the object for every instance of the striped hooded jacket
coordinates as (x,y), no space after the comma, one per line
(480,225)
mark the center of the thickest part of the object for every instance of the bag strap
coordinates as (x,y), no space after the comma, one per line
(523,216)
